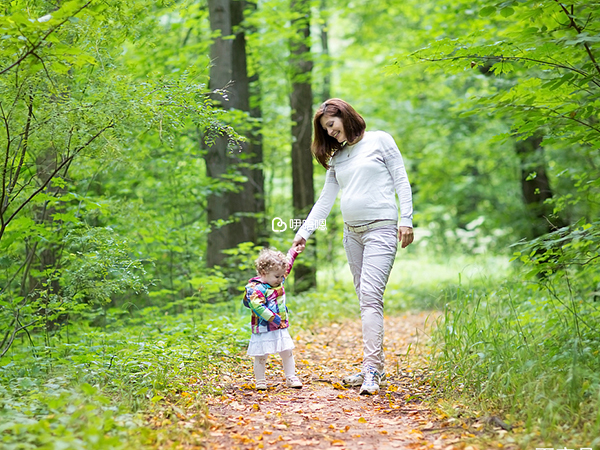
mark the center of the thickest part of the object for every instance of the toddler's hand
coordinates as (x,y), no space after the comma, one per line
(276,320)
(299,245)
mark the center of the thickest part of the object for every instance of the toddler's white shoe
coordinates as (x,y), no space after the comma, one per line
(293,382)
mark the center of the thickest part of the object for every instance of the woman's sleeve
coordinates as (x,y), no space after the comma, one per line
(395,165)
(322,207)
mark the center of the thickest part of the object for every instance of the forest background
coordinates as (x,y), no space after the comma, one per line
(150,148)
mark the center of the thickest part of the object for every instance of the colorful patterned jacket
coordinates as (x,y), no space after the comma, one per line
(265,301)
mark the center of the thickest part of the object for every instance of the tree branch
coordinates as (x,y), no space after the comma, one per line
(579,31)
(14,320)
(36,46)
(57,170)
(17,327)
(5,168)
(502,58)
(568,117)
(23,151)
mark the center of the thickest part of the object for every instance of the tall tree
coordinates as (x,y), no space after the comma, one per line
(534,177)
(256,142)
(301,99)
(232,212)
(326,91)
(71,112)
(535,186)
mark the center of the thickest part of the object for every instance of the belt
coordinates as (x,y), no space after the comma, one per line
(370,226)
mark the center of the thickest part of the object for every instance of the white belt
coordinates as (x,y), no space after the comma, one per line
(370,226)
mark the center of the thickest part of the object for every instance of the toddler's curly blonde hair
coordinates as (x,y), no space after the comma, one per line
(270,259)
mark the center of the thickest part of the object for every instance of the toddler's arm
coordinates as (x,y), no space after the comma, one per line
(258,304)
(291,254)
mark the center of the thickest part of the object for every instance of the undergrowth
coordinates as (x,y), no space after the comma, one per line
(528,349)
(93,390)
(125,383)
(524,349)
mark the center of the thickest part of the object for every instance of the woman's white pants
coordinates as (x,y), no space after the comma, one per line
(371,256)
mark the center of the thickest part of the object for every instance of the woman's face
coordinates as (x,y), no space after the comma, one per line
(334,127)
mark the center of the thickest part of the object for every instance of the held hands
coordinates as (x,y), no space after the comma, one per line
(405,236)
(299,244)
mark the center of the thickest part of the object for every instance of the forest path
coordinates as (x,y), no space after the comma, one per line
(325,415)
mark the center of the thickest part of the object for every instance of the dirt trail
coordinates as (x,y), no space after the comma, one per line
(325,415)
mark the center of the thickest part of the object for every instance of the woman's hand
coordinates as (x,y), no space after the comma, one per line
(405,236)
(299,244)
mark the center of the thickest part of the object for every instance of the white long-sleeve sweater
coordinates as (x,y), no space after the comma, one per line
(369,173)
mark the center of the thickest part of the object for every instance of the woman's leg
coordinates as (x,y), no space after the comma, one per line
(371,256)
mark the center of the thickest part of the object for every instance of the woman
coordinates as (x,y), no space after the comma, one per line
(368,168)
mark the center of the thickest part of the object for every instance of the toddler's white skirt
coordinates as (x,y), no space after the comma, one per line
(269,343)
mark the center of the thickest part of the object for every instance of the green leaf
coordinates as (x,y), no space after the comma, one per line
(487,11)
(88,389)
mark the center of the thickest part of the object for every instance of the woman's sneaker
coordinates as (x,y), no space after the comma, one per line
(357,379)
(293,382)
(370,384)
(261,385)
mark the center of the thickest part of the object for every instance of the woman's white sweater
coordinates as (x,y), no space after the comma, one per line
(369,174)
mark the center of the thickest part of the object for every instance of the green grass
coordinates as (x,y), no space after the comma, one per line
(505,347)
(526,353)
(421,281)
(524,348)
(92,391)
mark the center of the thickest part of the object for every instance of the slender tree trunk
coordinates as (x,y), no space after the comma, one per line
(535,189)
(237,209)
(326,94)
(333,219)
(535,186)
(301,105)
(46,257)
(256,171)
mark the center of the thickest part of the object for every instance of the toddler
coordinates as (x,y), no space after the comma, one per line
(265,296)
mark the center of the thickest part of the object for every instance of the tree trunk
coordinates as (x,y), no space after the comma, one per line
(301,105)
(326,94)
(535,186)
(237,209)
(256,171)
(535,189)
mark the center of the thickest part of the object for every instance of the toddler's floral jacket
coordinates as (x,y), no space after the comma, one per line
(265,301)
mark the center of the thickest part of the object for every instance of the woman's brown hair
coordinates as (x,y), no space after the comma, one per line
(324,146)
